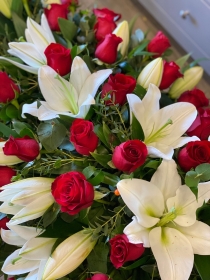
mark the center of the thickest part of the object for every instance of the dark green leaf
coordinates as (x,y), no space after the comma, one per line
(12,111)
(203,171)
(137,131)
(202,266)
(73,52)
(98,129)
(102,160)
(110,179)
(110,137)
(95,181)
(182,60)
(140,91)
(88,171)
(138,49)
(51,214)
(97,259)
(68,28)
(138,263)
(7,132)
(17,7)
(152,164)
(19,25)
(51,134)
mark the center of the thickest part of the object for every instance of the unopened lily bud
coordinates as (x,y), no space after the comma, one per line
(5,8)
(69,255)
(190,79)
(151,74)
(122,31)
(7,160)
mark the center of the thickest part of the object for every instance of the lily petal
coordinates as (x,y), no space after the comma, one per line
(8,208)
(14,265)
(198,235)
(166,175)
(12,238)
(136,233)
(185,205)
(25,197)
(184,140)
(160,150)
(151,99)
(28,53)
(23,231)
(136,106)
(137,196)
(46,27)
(173,253)
(92,84)
(37,248)
(33,70)
(203,192)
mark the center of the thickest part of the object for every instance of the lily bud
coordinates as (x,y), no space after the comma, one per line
(7,160)
(122,31)
(151,74)
(190,79)
(68,255)
(5,8)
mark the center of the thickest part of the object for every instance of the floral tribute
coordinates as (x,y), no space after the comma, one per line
(104,151)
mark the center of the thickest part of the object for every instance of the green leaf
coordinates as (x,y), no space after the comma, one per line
(138,263)
(191,179)
(95,181)
(140,91)
(137,131)
(152,164)
(202,266)
(137,50)
(97,259)
(109,136)
(132,23)
(7,132)
(17,7)
(102,160)
(203,171)
(51,214)
(89,171)
(182,60)
(74,52)
(51,134)
(98,129)
(12,111)
(19,25)
(68,28)
(87,59)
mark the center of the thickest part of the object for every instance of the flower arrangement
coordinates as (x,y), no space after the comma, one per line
(104,152)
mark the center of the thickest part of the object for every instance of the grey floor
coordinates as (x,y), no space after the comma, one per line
(131,8)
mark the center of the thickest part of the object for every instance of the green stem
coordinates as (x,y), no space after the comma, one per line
(15,103)
(26,7)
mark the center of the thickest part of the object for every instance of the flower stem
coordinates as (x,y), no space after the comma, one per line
(27,9)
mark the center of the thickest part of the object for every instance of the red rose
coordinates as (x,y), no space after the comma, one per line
(106,50)
(72,192)
(194,96)
(117,87)
(7,88)
(129,155)
(56,11)
(6,174)
(3,223)
(170,74)
(106,13)
(70,2)
(99,276)
(103,27)
(83,137)
(159,44)
(195,153)
(26,148)
(58,58)
(122,250)
(201,125)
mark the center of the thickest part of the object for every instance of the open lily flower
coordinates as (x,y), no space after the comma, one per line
(26,199)
(165,220)
(33,255)
(71,98)
(32,52)
(164,127)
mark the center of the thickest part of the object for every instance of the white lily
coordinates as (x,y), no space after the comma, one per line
(26,199)
(32,256)
(71,98)
(165,220)
(7,160)
(32,52)
(164,127)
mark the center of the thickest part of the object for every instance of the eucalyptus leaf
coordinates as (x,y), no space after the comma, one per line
(192,179)
(203,171)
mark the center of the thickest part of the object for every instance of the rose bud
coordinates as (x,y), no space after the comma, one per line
(194,96)
(191,78)
(129,155)
(3,222)
(58,58)
(106,50)
(195,153)
(159,44)
(122,250)
(6,174)
(201,125)
(170,74)
(83,137)
(54,12)
(7,88)
(103,27)
(117,87)
(151,74)
(26,148)
(72,192)
(106,13)
(99,276)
